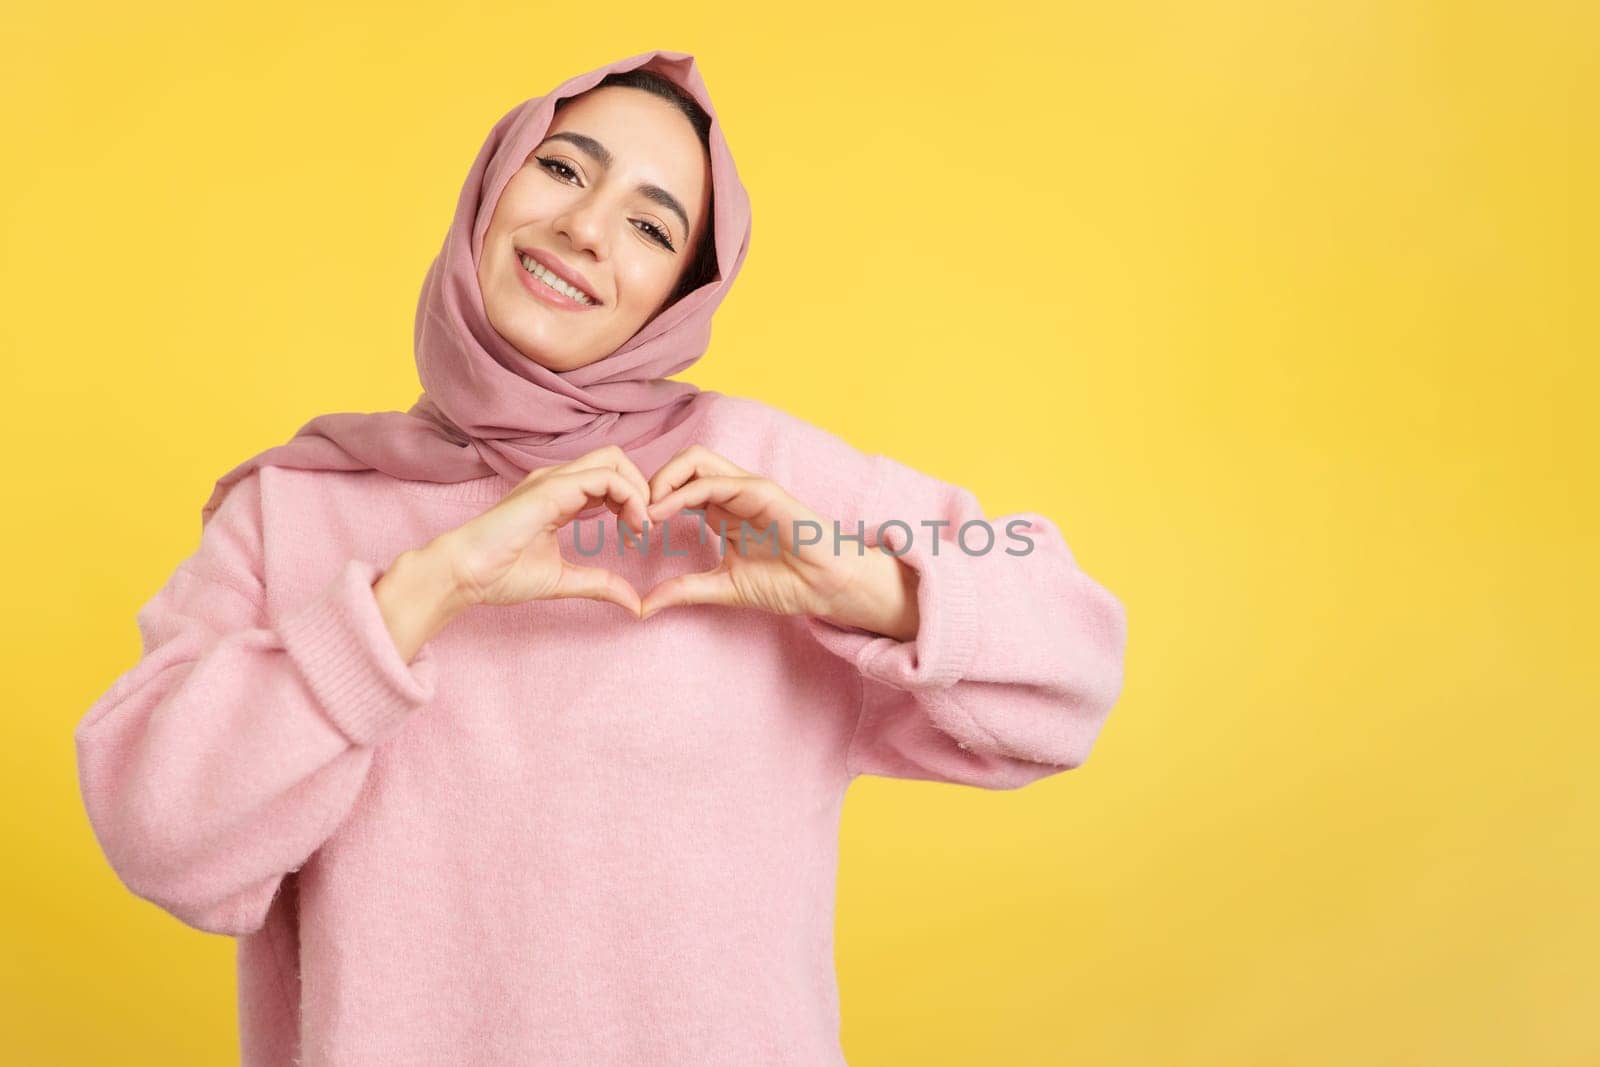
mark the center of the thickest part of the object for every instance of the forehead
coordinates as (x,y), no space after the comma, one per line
(648,137)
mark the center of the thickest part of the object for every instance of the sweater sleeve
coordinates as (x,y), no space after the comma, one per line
(1018,657)
(236,745)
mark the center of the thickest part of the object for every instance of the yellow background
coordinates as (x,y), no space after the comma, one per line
(1274,307)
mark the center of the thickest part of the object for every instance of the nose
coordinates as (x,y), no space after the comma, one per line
(583,226)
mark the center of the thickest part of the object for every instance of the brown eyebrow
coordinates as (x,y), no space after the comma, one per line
(603,156)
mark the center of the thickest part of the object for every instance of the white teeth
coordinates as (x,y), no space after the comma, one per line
(535,268)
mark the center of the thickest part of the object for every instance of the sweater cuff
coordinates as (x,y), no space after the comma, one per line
(946,643)
(343,648)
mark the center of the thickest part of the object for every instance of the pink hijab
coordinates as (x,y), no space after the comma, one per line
(485,407)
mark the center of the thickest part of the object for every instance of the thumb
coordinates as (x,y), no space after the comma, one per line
(704,587)
(596,583)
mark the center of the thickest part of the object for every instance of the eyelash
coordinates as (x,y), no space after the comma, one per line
(660,238)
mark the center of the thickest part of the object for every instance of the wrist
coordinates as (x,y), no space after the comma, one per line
(883,599)
(431,576)
(418,596)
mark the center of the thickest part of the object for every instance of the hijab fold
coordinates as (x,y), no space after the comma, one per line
(488,409)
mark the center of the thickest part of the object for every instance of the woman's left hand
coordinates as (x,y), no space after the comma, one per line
(873,590)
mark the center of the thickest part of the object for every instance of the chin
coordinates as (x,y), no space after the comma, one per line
(554,361)
(541,358)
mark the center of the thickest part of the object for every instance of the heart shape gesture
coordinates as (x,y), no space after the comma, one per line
(510,553)
(765,564)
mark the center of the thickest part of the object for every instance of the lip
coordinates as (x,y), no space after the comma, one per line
(567,274)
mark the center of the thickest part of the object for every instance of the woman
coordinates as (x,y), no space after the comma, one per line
(460,808)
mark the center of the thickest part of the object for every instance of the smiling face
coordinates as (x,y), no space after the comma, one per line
(597,201)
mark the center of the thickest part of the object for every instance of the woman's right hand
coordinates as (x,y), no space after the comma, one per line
(510,554)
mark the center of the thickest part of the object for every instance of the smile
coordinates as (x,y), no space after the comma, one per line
(545,284)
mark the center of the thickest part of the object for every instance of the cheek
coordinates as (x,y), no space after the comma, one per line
(522,198)
(647,280)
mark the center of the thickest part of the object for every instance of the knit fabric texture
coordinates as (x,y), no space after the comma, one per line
(559,835)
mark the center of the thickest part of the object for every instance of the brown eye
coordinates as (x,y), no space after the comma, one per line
(656,235)
(548,164)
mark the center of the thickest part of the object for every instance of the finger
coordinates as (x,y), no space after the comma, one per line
(618,509)
(614,457)
(574,491)
(718,522)
(730,532)
(696,461)
(623,525)
(753,499)
(703,587)
(596,583)
(738,509)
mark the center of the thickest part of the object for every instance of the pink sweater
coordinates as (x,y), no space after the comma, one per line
(560,836)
